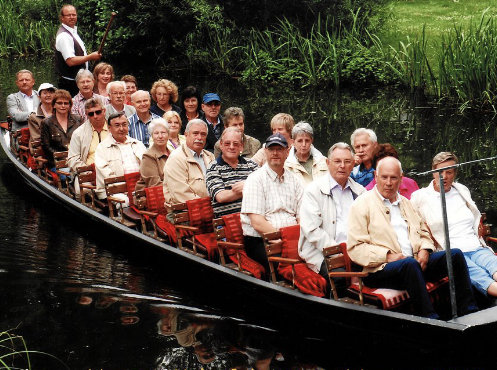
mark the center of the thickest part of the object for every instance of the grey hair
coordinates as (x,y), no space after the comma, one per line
(340,145)
(196,121)
(84,73)
(443,157)
(25,71)
(389,158)
(363,131)
(302,128)
(138,92)
(228,130)
(111,84)
(157,122)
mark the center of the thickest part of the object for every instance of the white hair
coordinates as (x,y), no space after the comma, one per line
(196,121)
(157,122)
(302,128)
(111,84)
(363,131)
(340,145)
(84,73)
(138,92)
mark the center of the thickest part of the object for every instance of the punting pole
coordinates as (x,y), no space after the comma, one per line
(112,15)
(450,270)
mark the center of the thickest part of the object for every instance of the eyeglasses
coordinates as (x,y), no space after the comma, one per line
(94,113)
(213,103)
(62,102)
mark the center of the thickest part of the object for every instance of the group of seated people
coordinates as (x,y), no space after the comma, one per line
(356,194)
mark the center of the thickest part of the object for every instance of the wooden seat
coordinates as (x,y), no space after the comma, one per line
(335,259)
(194,229)
(229,237)
(282,252)
(117,185)
(22,137)
(387,299)
(87,183)
(61,169)
(149,203)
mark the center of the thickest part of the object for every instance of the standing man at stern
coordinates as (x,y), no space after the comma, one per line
(388,238)
(70,51)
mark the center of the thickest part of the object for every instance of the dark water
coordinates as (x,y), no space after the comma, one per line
(96,301)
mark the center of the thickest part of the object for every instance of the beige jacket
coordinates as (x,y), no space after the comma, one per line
(319,166)
(108,160)
(183,177)
(371,235)
(152,168)
(79,146)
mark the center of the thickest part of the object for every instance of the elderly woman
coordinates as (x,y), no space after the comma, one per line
(304,160)
(103,73)
(164,93)
(57,129)
(463,221)
(190,105)
(407,185)
(174,121)
(154,159)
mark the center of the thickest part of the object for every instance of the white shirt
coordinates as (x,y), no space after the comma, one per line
(29,100)
(343,200)
(398,224)
(65,43)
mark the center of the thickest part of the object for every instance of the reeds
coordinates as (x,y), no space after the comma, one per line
(20,34)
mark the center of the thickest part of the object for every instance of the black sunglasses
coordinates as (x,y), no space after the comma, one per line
(97,112)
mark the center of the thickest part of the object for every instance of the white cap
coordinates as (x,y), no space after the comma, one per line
(46,86)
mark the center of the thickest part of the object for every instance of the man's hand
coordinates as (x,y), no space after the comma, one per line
(237,187)
(94,56)
(357,159)
(423,256)
(392,257)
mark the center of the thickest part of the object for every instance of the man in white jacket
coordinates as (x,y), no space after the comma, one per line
(325,208)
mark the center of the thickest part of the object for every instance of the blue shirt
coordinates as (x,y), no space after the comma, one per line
(139,129)
(362,175)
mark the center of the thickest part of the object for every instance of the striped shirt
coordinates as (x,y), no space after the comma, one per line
(277,199)
(221,176)
(139,129)
(78,104)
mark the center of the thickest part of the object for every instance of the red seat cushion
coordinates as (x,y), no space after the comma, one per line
(200,214)
(155,199)
(209,242)
(131,180)
(306,280)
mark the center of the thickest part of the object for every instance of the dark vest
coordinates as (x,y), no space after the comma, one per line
(60,64)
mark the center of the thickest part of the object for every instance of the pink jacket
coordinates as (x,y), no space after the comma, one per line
(407,186)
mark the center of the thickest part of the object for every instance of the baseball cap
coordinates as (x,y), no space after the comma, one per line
(276,139)
(211,97)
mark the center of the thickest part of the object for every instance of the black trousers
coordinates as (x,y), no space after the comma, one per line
(255,249)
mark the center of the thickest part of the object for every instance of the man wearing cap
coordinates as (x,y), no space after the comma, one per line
(234,117)
(24,102)
(70,51)
(271,199)
(85,82)
(211,105)
(185,169)
(44,110)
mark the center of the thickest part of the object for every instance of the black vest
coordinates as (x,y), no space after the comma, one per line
(60,64)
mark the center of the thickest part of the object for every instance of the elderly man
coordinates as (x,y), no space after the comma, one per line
(24,102)
(234,117)
(117,95)
(70,51)
(184,172)
(388,238)
(85,82)
(138,122)
(85,139)
(325,208)
(211,105)
(225,177)
(271,199)
(365,144)
(117,154)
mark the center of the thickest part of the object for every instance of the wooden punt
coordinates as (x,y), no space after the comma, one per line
(376,335)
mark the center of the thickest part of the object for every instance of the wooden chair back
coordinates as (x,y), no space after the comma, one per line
(275,253)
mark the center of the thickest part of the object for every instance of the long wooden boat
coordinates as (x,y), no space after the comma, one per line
(384,335)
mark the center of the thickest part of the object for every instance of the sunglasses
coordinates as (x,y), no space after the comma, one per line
(97,113)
